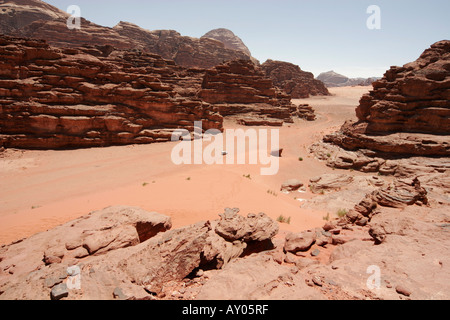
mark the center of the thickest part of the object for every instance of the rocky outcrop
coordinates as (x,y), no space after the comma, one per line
(130,248)
(398,194)
(17,14)
(92,96)
(189,52)
(299,241)
(291,79)
(329,182)
(291,185)
(414,98)
(305,111)
(37,19)
(232,226)
(240,88)
(332,79)
(403,122)
(229,39)
(230,259)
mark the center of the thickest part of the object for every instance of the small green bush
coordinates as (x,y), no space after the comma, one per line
(342,213)
(283,219)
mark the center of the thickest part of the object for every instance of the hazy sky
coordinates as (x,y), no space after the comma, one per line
(318,35)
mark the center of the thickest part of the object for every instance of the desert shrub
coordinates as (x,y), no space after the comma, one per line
(342,213)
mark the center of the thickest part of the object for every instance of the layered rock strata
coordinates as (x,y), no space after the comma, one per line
(127,251)
(92,96)
(37,19)
(240,88)
(291,79)
(404,122)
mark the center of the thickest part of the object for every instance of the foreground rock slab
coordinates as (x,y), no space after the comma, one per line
(126,248)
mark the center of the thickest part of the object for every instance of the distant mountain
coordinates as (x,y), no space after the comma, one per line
(229,39)
(15,15)
(333,79)
(293,80)
(37,19)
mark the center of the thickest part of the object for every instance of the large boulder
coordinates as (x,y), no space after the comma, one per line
(127,248)
(229,39)
(232,226)
(302,241)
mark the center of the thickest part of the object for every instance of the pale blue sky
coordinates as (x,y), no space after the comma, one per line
(318,35)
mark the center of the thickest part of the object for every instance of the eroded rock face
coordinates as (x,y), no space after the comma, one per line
(36,19)
(130,248)
(229,39)
(92,96)
(414,98)
(291,185)
(93,235)
(408,111)
(299,241)
(403,125)
(232,226)
(189,52)
(297,83)
(329,182)
(19,13)
(239,87)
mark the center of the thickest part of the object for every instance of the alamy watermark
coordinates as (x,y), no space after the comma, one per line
(374,20)
(74,279)
(227,148)
(74,21)
(374,281)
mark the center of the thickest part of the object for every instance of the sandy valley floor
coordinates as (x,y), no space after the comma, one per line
(42,189)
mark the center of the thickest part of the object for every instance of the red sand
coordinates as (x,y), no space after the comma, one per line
(43,189)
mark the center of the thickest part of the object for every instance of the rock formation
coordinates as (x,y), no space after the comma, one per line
(36,19)
(185,51)
(229,39)
(17,14)
(239,87)
(291,185)
(294,81)
(414,98)
(91,96)
(403,123)
(126,251)
(333,79)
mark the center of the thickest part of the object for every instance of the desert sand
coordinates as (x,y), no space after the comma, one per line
(43,189)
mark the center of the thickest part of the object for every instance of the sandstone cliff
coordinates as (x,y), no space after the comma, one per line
(294,81)
(36,19)
(404,122)
(92,96)
(19,13)
(185,51)
(230,41)
(239,88)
